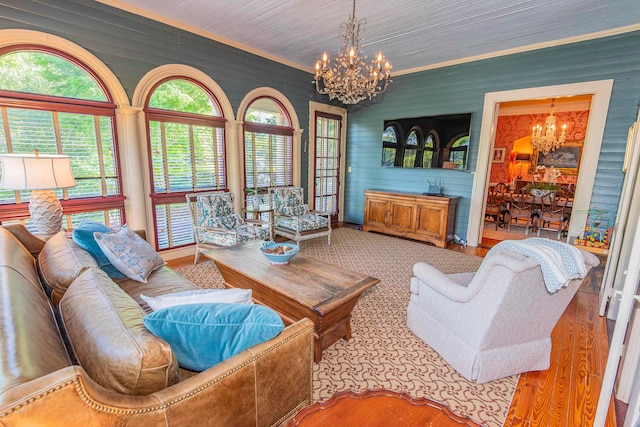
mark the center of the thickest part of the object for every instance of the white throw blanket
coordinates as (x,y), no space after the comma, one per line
(560,262)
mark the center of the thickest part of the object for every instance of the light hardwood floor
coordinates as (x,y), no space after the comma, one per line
(567,393)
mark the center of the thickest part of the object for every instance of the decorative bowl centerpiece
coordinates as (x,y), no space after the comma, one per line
(279,253)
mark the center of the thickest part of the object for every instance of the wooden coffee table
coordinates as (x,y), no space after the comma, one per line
(378,408)
(306,287)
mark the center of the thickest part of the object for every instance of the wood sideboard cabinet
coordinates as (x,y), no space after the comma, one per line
(413,215)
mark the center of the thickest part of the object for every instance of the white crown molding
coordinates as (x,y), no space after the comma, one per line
(206,34)
(177,24)
(527,48)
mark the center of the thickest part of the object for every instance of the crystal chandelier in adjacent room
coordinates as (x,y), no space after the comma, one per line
(351,79)
(543,138)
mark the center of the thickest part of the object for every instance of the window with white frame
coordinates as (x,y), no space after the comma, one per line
(186,145)
(268,145)
(52,102)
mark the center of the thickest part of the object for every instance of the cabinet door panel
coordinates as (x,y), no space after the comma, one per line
(432,220)
(376,212)
(402,215)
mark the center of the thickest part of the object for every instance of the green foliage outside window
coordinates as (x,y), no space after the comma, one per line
(47,74)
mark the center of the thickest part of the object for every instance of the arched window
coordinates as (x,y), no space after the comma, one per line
(390,138)
(268,144)
(186,144)
(429,157)
(458,151)
(412,147)
(52,102)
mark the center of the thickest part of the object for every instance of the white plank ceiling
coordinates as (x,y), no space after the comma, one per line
(413,34)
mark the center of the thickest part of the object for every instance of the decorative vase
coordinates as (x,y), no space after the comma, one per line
(539,192)
(254,201)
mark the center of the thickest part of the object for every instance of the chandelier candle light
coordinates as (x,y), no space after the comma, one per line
(351,79)
(547,141)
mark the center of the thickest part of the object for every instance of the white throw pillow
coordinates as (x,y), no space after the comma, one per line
(236,296)
(129,253)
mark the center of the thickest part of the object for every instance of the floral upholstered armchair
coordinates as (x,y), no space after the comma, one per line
(215,223)
(294,220)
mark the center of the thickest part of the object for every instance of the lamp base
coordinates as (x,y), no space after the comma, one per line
(46,212)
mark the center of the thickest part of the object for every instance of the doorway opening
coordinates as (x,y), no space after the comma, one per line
(513,213)
(600,92)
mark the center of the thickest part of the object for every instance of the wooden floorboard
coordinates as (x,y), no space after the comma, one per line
(567,393)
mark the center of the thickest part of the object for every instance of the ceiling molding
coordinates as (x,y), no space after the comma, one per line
(206,34)
(536,46)
(118,4)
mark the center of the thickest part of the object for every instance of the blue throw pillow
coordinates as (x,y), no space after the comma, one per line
(83,236)
(203,335)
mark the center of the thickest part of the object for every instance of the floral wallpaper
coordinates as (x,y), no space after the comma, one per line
(511,128)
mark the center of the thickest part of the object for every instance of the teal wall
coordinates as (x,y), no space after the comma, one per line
(131,45)
(462,88)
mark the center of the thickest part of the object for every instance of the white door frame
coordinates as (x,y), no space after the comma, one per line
(601,94)
(338,111)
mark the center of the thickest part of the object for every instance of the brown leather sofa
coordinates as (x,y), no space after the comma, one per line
(43,384)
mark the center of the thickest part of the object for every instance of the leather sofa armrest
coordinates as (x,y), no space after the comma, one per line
(263,385)
(443,284)
(33,244)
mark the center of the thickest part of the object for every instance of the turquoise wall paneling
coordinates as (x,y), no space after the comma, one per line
(131,45)
(462,88)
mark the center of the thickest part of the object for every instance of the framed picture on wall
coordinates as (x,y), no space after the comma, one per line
(498,155)
(566,158)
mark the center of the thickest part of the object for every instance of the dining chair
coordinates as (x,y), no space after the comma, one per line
(552,213)
(521,208)
(497,208)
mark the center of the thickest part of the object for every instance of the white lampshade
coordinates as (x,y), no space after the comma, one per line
(36,172)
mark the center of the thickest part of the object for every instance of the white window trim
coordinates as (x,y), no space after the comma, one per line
(237,186)
(145,85)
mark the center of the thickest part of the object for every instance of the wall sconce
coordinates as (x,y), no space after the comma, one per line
(41,174)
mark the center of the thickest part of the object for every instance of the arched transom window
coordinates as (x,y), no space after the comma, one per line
(54,103)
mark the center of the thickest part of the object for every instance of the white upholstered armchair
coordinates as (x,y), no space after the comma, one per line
(492,323)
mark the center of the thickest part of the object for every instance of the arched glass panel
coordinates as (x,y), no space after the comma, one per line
(412,138)
(82,127)
(267,111)
(390,135)
(390,139)
(45,73)
(428,153)
(459,151)
(184,96)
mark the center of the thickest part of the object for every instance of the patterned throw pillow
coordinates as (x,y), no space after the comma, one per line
(129,253)
(83,236)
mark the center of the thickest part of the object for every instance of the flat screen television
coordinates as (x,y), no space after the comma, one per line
(428,142)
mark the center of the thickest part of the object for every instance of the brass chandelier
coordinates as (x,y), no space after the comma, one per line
(351,79)
(547,141)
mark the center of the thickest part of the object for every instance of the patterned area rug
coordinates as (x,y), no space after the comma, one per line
(383,352)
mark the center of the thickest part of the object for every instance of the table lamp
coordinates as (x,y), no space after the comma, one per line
(40,173)
(522,158)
